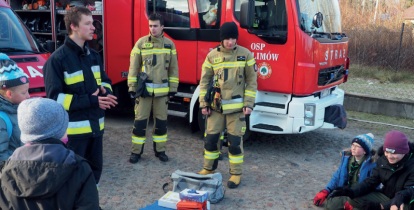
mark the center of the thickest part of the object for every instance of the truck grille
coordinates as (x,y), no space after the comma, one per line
(330,75)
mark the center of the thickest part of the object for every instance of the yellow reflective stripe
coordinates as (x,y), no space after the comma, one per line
(73,78)
(161,90)
(101,123)
(150,89)
(132,79)
(236,159)
(173,79)
(221,137)
(107,85)
(232,106)
(251,62)
(174,52)
(138,140)
(156,51)
(203,93)
(162,138)
(250,93)
(229,65)
(65,100)
(136,50)
(206,64)
(80,127)
(211,155)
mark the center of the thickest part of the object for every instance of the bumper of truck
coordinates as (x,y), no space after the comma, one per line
(277,113)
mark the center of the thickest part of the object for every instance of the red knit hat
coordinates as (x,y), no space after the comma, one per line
(396,142)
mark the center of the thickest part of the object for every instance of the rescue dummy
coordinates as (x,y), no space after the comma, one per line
(153,59)
(227,93)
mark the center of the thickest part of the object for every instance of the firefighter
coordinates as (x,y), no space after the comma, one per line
(155,55)
(231,67)
(74,76)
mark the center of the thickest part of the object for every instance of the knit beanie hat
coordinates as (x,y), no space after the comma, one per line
(365,140)
(229,30)
(41,118)
(10,74)
(396,142)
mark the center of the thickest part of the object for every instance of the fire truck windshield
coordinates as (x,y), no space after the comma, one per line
(14,36)
(329,10)
(270,19)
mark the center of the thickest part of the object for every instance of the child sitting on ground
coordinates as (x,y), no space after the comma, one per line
(356,165)
(14,88)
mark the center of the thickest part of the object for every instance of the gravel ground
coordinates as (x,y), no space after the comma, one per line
(280,171)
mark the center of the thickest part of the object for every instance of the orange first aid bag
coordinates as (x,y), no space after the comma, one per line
(190,205)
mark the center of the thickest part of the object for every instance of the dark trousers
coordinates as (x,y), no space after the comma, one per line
(91,150)
(374,197)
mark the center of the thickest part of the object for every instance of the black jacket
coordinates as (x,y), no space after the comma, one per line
(47,175)
(394,177)
(71,76)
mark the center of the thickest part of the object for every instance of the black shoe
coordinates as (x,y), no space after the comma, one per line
(134,158)
(220,156)
(162,156)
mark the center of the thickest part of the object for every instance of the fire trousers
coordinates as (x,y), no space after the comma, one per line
(236,126)
(91,150)
(142,114)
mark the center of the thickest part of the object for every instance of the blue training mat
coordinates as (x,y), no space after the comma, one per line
(155,206)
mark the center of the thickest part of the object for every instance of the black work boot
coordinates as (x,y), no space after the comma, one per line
(134,158)
(162,156)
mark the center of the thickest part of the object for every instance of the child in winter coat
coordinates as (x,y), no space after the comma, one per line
(44,173)
(394,170)
(14,88)
(356,165)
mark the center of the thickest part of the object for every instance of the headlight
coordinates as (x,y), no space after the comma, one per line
(309,114)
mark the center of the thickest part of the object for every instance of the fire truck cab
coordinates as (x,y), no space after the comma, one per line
(301,54)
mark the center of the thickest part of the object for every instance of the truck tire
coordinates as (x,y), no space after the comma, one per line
(202,126)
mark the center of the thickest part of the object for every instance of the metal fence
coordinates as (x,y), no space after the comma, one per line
(382,62)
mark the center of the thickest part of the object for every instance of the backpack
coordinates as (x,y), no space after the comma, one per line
(212,183)
(8,122)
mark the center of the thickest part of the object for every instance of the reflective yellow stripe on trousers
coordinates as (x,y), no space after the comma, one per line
(236,159)
(138,140)
(211,155)
(65,100)
(73,78)
(158,139)
(79,127)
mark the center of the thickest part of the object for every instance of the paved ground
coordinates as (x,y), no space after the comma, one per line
(280,171)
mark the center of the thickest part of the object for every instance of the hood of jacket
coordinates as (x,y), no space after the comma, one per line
(38,170)
(7,106)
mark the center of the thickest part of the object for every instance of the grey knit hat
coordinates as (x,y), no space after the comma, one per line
(41,118)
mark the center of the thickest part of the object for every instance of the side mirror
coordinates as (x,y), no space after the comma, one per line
(50,46)
(317,20)
(247,14)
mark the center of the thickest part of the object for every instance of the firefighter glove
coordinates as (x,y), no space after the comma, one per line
(320,197)
(343,191)
(369,205)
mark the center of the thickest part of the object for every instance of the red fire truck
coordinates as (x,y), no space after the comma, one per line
(299,47)
(20,45)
